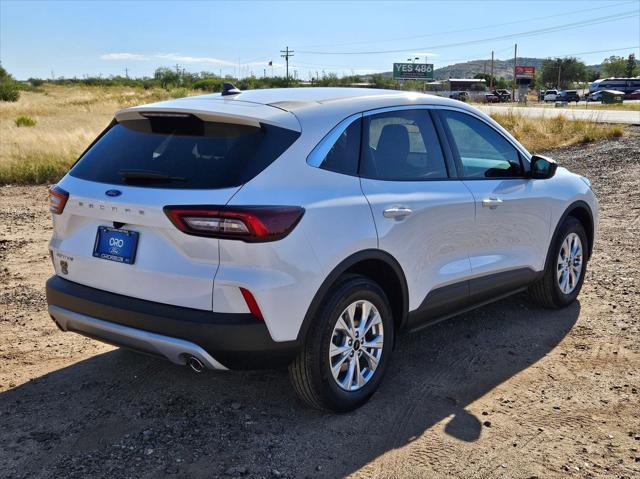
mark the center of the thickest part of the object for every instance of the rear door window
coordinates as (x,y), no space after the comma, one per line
(401,145)
(182,152)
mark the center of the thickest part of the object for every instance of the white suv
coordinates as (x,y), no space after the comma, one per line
(306,227)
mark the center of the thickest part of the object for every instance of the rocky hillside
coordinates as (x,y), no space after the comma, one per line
(501,68)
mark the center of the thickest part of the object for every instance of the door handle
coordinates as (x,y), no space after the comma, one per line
(491,203)
(397,212)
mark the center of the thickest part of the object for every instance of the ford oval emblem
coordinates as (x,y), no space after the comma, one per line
(113,192)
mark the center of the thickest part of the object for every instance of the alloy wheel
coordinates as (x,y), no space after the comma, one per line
(569,264)
(356,345)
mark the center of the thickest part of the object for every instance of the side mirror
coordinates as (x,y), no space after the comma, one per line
(542,168)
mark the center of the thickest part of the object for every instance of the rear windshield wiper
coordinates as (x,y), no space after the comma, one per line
(148,175)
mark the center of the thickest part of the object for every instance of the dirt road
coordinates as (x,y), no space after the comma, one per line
(509,390)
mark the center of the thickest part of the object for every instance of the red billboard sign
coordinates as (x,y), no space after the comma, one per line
(525,72)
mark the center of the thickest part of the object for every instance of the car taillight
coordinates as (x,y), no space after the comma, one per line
(253,224)
(57,199)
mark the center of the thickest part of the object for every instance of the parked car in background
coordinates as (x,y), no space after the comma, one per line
(568,96)
(600,94)
(491,98)
(595,96)
(279,227)
(634,95)
(550,95)
(503,94)
(460,96)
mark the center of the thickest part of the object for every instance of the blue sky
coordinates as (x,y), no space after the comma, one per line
(74,38)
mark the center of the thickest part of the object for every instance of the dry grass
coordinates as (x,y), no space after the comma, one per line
(539,134)
(67,120)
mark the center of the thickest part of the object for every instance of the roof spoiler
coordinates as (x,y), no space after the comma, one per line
(217,109)
(142,113)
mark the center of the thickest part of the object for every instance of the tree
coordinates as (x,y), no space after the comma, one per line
(631,68)
(592,75)
(502,84)
(563,72)
(167,77)
(483,76)
(614,66)
(8,86)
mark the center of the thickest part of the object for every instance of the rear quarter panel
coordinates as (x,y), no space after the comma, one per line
(285,275)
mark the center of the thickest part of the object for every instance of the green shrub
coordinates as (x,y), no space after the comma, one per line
(36,81)
(8,91)
(209,84)
(25,121)
(178,92)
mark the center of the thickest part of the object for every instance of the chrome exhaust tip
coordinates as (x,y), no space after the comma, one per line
(195,364)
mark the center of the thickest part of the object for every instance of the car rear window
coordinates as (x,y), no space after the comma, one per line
(182,152)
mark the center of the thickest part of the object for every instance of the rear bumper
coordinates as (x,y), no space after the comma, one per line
(219,340)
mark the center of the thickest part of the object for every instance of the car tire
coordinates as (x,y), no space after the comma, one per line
(311,373)
(556,289)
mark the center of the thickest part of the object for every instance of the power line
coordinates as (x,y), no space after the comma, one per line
(594,51)
(527,20)
(412,37)
(557,28)
(467,59)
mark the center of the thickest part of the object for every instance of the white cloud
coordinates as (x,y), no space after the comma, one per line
(189,59)
(179,58)
(123,56)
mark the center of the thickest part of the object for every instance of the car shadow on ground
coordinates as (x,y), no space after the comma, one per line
(122,414)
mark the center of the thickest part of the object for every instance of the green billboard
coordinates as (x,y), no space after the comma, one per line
(413,71)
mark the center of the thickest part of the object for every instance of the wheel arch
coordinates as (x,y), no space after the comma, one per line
(376,264)
(582,212)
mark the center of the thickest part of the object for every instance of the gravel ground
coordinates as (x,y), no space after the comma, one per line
(509,390)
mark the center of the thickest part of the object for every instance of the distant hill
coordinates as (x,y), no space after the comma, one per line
(501,68)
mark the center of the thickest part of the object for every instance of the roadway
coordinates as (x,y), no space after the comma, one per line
(598,115)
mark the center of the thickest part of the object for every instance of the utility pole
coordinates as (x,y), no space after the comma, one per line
(559,69)
(515,60)
(491,78)
(424,85)
(286,54)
